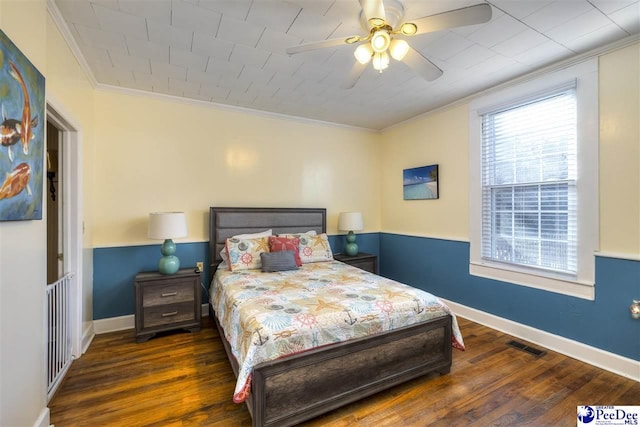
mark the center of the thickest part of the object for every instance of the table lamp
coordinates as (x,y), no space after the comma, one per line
(167,226)
(350,221)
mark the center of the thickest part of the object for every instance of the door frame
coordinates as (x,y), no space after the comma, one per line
(73,226)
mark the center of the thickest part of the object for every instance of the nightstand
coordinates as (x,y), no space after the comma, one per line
(164,303)
(367,262)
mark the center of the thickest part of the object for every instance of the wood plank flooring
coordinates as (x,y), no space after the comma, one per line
(185,379)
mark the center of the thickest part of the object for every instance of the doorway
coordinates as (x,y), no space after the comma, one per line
(64,290)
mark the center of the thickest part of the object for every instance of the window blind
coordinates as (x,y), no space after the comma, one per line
(529,173)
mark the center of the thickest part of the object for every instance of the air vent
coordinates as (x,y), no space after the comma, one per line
(531,350)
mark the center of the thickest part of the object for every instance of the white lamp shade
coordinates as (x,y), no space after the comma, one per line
(350,221)
(167,225)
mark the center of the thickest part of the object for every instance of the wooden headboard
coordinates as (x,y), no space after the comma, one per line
(227,222)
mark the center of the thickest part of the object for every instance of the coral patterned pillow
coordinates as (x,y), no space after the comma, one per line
(278,244)
(315,248)
(244,254)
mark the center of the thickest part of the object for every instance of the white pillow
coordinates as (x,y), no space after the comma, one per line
(308,233)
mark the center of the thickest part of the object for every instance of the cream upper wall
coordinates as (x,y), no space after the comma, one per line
(434,139)
(620,151)
(442,137)
(165,155)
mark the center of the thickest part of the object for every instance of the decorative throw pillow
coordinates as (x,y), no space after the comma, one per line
(315,248)
(278,244)
(244,254)
(278,261)
(223,251)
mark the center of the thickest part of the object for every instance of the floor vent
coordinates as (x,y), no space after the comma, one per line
(531,350)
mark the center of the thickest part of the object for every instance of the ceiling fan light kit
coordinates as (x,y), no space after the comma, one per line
(379,18)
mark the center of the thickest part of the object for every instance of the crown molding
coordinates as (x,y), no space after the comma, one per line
(56,15)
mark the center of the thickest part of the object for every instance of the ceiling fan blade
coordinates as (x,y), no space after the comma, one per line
(322,44)
(421,65)
(354,75)
(373,9)
(454,18)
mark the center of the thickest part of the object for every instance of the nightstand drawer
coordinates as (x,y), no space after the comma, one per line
(167,314)
(167,294)
(364,261)
(167,302)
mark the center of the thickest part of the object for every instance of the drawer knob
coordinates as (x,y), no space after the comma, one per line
(173,313)
(169,294)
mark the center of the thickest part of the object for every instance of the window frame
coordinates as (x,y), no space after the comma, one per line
(585,75)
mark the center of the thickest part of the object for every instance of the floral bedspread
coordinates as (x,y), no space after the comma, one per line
(269,315)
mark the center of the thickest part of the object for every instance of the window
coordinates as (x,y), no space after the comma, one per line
(534,182)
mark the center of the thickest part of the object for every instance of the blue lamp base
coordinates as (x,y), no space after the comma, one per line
(169,263)
(351,248)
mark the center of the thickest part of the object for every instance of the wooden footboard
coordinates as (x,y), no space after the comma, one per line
(290,390)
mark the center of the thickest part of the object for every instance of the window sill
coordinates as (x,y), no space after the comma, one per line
(574,288)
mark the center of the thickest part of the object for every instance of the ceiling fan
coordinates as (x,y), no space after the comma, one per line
(386,33)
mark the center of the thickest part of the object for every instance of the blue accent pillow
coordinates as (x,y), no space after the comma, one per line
(278,261)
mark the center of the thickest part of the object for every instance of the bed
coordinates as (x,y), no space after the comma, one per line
(290,389)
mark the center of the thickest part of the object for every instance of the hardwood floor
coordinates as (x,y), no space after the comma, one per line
(184,379)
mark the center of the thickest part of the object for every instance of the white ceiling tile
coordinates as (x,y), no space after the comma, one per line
(215,92)
(203,78)
(111,4)
(311,72)
(520,43)
(234,83)
(101,39)
(118,22)
(312,27)
(272,41)
(578,27)
(156,10)
(237,9)
(180,86)
(129,62)
(275,15)
(150,50)
(256,75)
(497,31)
(168,35)
(242,32)
(543,54)
(285,81)
(608,33)
(78,12)
(141,86)
(611,6)
(520,8)
(207,44)
(470,56)
(156,82)
(194,18)
(445,47)
(220,66)
(556,14)
(163,69)
(122,75)
(628,18)
(248,55)
(187,59)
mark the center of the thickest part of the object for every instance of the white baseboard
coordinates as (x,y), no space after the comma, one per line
(611,362)
(43,418)
(87,336)
(120,323)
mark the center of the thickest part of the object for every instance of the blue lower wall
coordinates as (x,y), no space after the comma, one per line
(442,268)
(115,269)
(437,266)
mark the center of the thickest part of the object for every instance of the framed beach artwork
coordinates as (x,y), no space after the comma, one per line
(22,100)
(420,183)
